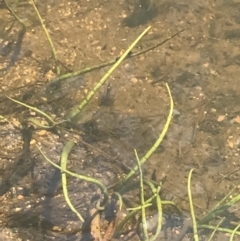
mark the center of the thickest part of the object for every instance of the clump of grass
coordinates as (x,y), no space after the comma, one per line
(69,146)
(136,171)
(217,211)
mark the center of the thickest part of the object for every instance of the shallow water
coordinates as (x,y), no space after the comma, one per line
(201,66)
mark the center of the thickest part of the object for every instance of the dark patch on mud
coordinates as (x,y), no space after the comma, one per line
(143,12)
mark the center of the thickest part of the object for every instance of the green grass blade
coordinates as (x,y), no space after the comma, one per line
(120,199)
(82,177)
(111,62)
(159,225)
(158,142)
(143,211)
(64,157)
(224,230)
(234,232)
(76,110)
(214,231)
(221,207)
(195,229)
(34,109)
(47,35)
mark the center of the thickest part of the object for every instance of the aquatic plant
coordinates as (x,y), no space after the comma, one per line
(131,180)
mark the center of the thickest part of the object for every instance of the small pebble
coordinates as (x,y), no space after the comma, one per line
(20,197)
(175,112)
(134,80)
(33,142)
(237,119)
(221,118)
(42,132)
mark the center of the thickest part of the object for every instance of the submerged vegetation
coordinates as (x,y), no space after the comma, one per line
(150,203)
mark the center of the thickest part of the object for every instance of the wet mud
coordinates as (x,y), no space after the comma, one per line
(201,66)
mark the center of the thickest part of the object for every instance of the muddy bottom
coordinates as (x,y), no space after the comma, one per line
(192,46)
